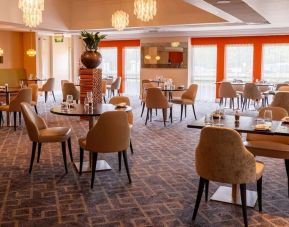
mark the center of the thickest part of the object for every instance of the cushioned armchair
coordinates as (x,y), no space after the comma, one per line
(227,92)
(145,86)
(155,99)
(226,162)
(281,100)
(24,95)
(39,133)
(114,86)
(103,89)
(48,86)
(113,134)
(251,92)
(187,98)
(34,89)
(270,146)
(70,89)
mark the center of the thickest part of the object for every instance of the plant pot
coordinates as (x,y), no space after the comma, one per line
(91,59)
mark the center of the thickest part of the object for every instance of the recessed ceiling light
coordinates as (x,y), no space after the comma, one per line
(223,1)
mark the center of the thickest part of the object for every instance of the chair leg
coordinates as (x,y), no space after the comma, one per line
(164,116)
(156,112)
(194,111)
(39,151)
(199,197)
(80,160)
(171,114)
(70,149)
(36,111)
(126,165)
(206,190)
(130,145)
(34,144)
(244,203)
(151,114)
(19,114)
(143,107)
(259,191)
(94,161)
(185,110)
(15,115)
(45,95)
(53,96)
(182,107)
(148,112)
(119,161)
(287,171)
(104,99)
(64,155)
(1,118)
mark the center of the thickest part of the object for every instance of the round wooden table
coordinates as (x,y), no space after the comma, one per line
(81,110)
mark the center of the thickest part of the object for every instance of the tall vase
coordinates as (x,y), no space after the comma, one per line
(91,59)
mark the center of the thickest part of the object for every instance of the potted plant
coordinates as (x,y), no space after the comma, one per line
(91,58)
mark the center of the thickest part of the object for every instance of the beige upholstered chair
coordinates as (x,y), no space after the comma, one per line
(114,86)
(270,146)
(113,134)
(24,95)
(281,100)
(70,89)
(103,89)
(155,99)
(227,92)
(39,133)
(124,99)
(251,92)
(280,85)
(48,86)
(34,89)
(145,86)
(63,82)
(231,163)
(187,98)
(284,88)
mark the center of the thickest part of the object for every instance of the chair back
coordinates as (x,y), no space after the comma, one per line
(49,85)
(222,157)
(122,99)
(278,86)
(112,132)
(34,89)
(70,89)
(281,99)
(284,88)
(145,86)
(33,122)
(63,82)
(155,99)
(251,91)
(103,86)
(116,83)
(24,95)
(227,90)
(191,93)
(263,88)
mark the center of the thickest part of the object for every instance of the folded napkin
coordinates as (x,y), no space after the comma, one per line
(285,119)
(262,127)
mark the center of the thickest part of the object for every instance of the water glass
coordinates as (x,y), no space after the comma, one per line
(268,117)
(69,100)
(208,120)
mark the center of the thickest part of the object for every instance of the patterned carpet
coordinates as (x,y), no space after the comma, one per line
(162,193)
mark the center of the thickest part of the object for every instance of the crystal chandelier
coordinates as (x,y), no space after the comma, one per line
(145,10)
(32,11)
(119,20)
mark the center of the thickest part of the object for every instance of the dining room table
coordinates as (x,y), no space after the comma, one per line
(246,124)
(81,110)
(33,80)
(168,91)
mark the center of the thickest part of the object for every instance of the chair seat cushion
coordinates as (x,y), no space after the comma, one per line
(182,101)
(268,149)
(4,108)
(259,170)
(82,142)
(54,134)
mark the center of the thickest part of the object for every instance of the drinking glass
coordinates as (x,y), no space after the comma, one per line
(208,120)
(89,98)
(21,83)
(69,100)
(268,117)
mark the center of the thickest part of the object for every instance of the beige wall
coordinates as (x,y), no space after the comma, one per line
(12,44)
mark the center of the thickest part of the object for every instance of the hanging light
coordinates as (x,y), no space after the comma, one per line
(145,10)
(32,12)
(1,55)
(119,20)
(31,52)
(58,37)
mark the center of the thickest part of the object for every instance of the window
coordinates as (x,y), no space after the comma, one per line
(204,63)
(275,64)
(109,61)
(239,62)
(132,70)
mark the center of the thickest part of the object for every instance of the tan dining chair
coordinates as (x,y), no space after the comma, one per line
(155,99)
(284,88)
(187,98)
(48,87)
(145,86)
(34,101)
(226,162)
(103,89)
(24,95)
(281,100)
(114,86)
(251,93)
(113,134)
(278,86)
(40,133)
(124,99)
(70,89)
(268,145)
(63,82)
(227,92)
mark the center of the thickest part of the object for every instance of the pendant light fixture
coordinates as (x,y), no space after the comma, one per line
(145,10)
(32,12)
(120,20)
(31,52)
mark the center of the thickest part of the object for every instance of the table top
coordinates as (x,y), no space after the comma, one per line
(173,89)
(246,125)
(157,81)
(81,110)
(243,83)
(10,90)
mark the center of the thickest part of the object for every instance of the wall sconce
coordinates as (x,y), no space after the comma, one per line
(58,37)
(1,55)
(148,57)
(175,44)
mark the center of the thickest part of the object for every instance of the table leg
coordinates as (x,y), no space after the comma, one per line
(7,103)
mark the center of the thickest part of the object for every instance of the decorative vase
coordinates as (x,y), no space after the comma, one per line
(91,59)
